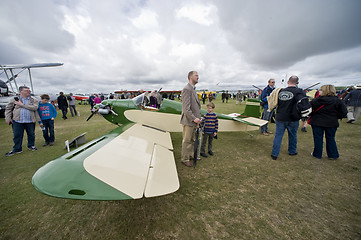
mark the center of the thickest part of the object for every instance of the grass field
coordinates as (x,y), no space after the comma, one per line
(240,193)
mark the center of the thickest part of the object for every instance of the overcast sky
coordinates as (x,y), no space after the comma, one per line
(131,44)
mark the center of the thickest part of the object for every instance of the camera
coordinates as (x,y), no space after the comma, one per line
(16,98)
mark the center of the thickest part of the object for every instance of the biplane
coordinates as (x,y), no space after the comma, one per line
(11,72)
(132,161)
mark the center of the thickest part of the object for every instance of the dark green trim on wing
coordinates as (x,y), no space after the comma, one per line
(65,177)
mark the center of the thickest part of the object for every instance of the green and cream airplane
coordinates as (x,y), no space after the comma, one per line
(132,161)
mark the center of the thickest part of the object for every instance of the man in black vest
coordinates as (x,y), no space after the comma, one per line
(287,117)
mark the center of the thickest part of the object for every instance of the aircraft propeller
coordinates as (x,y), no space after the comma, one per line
(103,110)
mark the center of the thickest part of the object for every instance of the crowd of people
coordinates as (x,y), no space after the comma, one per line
(328,107)
(289,105)
(323,115)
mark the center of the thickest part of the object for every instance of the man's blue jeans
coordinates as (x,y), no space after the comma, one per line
(331,147)
(18,131)
(281,127)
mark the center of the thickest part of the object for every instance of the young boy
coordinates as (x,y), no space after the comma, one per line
(47,113)
(210,129)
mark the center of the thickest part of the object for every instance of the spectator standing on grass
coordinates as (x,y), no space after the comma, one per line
(97,99)
(91,101)
(191,116)
(210,129)
(223,96)
(71,100)
(239,97)
(47,113)
(153,100)
(204,97)
(326,110)
(266,115)
(22,113)
(353,102)
(63,104)
(159,98)
(287,117)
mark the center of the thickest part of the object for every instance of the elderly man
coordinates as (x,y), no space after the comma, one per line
(22,114)
(266,115)
(191,116)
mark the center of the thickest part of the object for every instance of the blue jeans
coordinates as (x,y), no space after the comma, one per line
(331,147)
(48,133)
(281,127)
(266,116)
(18,131)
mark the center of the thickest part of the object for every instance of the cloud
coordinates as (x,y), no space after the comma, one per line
(276,34)
(130,44)
(35,27)
(200,14)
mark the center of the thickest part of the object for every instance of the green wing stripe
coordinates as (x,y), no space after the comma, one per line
(65,177)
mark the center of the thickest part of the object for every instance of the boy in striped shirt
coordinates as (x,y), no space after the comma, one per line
(210,129)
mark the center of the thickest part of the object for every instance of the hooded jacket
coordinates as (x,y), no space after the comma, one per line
(328,115)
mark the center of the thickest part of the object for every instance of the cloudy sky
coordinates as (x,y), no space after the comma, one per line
(131,44)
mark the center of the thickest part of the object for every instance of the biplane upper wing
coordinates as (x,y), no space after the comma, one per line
(131,161)
(36,65)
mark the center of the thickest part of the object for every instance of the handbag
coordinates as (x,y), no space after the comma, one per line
(309,119)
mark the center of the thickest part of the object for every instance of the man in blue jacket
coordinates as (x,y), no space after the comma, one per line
(266,115)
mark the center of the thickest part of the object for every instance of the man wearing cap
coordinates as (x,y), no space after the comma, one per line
(353,103)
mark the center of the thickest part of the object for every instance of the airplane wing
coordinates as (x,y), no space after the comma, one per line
(37,65)
(251,121)
(130,162)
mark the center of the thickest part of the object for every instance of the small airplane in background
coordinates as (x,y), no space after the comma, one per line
(81,97)
(132,161)
(11,75)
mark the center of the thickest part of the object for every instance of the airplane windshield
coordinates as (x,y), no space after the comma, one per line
(139,99)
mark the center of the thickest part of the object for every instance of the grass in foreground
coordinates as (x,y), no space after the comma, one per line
(240,193)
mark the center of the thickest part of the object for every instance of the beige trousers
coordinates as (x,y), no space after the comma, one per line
(188,143)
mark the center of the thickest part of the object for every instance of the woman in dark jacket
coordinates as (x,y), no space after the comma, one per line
(326,110)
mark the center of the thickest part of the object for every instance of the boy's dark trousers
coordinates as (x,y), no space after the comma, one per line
(48,133)
(206,136)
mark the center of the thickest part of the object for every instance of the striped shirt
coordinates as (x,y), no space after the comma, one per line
(211,123)
(25,116)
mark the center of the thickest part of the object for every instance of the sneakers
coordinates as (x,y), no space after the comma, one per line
(273,157)
(204,155)
(45,144)
(265,134)
(12,152)
(293,154)
(211,153)
(32,148)
(351,121)
(51,143)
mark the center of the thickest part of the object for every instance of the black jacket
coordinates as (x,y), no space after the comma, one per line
(62,102)
(287,99)
(328,115)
